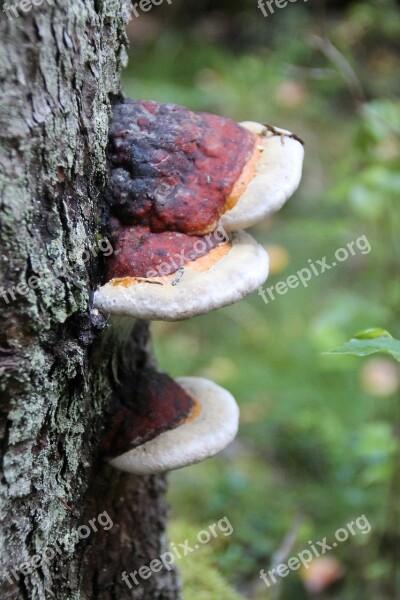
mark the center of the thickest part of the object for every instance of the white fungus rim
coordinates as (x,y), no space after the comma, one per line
(278,174)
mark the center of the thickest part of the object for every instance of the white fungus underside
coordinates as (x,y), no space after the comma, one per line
(213,429)
(235,275)
(278,174)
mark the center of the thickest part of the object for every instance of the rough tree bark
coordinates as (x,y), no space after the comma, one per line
(60,65)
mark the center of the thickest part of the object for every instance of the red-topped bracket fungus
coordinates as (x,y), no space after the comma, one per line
(169,424)
(178,182)
(173,169)
(223,276)
(178,170)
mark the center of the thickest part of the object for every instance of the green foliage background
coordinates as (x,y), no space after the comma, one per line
(318,445)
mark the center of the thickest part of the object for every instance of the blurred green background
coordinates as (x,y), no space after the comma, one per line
(320,435)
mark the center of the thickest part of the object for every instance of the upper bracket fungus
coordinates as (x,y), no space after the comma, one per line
(179,181)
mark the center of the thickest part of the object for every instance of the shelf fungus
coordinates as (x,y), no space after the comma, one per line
(182,186)
(169,424)
(270,178)
(224,275)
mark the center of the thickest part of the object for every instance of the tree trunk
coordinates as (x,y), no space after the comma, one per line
(70,524)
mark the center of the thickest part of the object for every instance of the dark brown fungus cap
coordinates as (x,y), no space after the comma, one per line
(156,404)
(173,169)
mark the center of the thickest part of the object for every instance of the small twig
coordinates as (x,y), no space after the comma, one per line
(284,550)
(282,135)
(293,136)
(65,504)
(342,65)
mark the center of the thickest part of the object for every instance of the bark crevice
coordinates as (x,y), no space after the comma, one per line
(59,73)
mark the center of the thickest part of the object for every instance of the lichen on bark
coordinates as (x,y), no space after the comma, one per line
(59,72)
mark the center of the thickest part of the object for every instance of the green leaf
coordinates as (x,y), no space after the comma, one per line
(370,341)
(371,334)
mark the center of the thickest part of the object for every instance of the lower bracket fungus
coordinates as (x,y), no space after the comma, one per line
(169,424)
